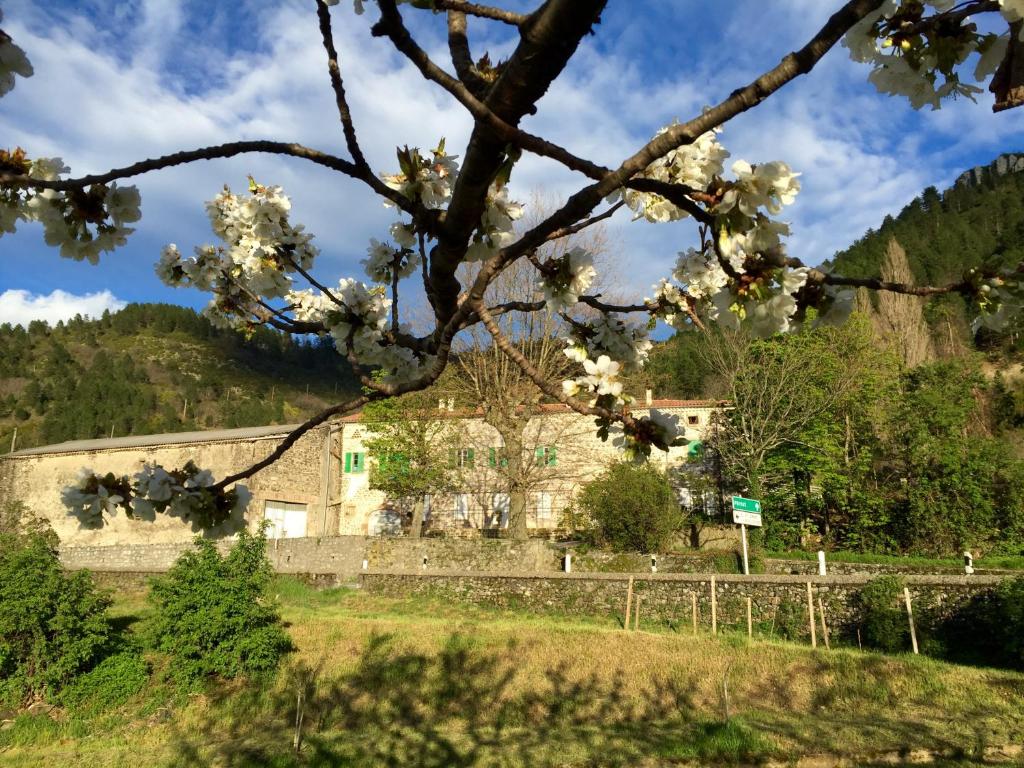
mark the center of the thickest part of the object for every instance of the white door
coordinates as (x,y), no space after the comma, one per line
(500,504)
(286,520)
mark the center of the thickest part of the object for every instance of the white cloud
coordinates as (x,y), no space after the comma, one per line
(19,307)
(173,87)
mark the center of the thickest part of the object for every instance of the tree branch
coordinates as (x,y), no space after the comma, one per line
(218,151)
(482,11)
(348,127)
(291,439)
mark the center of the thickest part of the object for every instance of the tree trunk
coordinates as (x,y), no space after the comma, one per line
(416,527)
(517,516)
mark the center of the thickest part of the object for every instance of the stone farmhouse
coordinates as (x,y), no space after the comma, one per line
(320,487)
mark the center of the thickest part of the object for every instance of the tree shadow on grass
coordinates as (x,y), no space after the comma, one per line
(461,706)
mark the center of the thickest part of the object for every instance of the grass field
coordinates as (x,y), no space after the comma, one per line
(392,682)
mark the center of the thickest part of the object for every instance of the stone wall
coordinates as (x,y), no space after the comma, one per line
(37,479)
(668,597)
(344,555)
(339,555)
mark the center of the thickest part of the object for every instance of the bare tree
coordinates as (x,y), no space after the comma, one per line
(775,389)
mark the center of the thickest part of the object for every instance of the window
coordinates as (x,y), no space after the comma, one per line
(693,419)
(355,463)
(285,519)
(544,517)
(546,456)
(462,506)
(461,457)
(496,456)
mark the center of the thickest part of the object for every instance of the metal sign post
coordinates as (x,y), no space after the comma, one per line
(746,512)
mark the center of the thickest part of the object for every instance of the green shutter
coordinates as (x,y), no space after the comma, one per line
(348,462)
(469,457)
(552,456)
(492,457)
(453,457)
(538,454)
(359,462)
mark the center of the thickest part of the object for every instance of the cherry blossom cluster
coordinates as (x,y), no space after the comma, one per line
(262,248)
(693,166)
(566,277)
(187,493)
(430,181)
(83,223)
(383,263)
(13,61)
(425,180)
(999,298)
(920,61)
(659,430)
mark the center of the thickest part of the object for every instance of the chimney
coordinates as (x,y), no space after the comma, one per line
(649,397)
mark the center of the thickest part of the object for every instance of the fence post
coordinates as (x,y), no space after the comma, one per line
(629,604)
(810,615)
(693,596)
(714,607)
(750,624)
(910,618)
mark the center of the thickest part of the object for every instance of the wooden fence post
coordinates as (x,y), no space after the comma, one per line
(810,615)
(824,626)
(714,607)
(629,604)
(910,618)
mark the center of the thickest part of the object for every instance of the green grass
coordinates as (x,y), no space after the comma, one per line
(1007,562)
(418,681)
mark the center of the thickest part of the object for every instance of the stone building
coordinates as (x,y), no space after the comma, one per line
(320,487)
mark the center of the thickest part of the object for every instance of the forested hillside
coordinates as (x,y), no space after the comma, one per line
(156,368)
(978,221)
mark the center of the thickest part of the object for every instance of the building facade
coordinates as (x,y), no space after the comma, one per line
(321,486)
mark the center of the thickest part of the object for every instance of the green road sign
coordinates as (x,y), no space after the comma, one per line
(746,505)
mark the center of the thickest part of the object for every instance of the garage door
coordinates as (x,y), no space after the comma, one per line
(285,520)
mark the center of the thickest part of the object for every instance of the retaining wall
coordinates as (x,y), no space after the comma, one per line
(668,597)
(344,555)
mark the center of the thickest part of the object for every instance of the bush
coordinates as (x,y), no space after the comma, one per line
(109,684)
(213,615)
(634,508)
(988,629)
(791,620)
(53,625)
(882,621)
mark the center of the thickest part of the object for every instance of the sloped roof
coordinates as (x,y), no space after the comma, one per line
(149,441)
(464,413)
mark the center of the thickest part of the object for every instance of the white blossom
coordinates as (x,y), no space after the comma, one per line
(691,165)
(13,61)
(574,272)
(768,185)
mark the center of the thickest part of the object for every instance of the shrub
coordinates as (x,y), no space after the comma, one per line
(634,507)
(988,629)
(213,614)
(883,623)
(53,625)
(791,620)
(109,684)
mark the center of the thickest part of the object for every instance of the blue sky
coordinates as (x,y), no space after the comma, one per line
(120,81)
